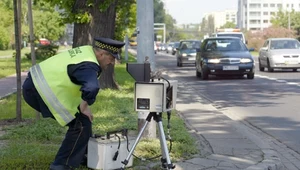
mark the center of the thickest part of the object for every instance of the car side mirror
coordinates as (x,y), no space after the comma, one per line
(251,49)
(264,48)
(198,49)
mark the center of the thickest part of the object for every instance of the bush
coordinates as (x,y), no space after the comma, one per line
(256,39)
(4,39)
(44,51)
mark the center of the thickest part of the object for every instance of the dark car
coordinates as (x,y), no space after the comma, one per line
(224,56)
(175,45)
(186,52)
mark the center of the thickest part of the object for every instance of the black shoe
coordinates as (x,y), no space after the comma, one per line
(84,161)
(60,167)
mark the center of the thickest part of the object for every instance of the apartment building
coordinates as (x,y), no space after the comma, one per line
(221,17)
(257,14)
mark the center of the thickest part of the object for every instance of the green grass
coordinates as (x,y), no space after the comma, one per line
(10,52)
(8,65)
(32,144)
(254,53)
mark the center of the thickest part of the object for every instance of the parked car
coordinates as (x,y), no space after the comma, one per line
(162,47)
(224,56)
(279,53)
(169,47)
(186,52)
(176,45)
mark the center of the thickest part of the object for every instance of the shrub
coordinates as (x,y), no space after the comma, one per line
(44,51)
(4,39)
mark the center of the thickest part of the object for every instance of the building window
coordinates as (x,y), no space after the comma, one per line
(265,5)
(287,5)
(254,13)
(266,13)
(265,21)
(280,5)
(272,5)
(254,5)
(254,21)
(254,29)
(272,13)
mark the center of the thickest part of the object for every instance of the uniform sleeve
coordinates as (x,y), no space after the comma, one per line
(86,74)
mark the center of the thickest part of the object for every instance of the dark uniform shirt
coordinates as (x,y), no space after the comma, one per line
(84,74)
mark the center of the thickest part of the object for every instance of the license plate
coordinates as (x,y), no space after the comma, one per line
(230,67)
(192,58)
(291,62)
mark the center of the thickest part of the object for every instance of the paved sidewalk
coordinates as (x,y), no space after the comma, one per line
(224,144)
(8,85)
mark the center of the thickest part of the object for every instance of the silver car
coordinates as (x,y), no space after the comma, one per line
(279,53)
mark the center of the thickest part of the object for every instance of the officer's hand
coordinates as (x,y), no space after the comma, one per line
(84,109)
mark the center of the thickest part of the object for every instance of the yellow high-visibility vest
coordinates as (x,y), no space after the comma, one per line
(52,82)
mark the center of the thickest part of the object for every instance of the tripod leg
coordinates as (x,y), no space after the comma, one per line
(164,146)
(125,162)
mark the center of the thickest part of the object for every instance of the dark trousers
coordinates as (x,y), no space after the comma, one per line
(74,147)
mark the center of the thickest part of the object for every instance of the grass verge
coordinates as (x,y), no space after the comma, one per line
(32,144)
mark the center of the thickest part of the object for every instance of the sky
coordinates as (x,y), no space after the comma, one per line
(192,11)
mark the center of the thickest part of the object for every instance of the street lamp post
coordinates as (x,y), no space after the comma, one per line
(289,20)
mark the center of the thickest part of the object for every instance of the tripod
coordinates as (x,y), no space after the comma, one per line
(166,162)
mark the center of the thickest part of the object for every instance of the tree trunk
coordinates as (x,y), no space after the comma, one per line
(17,22)
(102,25)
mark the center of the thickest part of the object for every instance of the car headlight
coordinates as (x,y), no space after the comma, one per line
(215,60)
(184,55)
(245,60)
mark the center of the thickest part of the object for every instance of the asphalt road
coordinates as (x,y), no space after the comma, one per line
(269,102)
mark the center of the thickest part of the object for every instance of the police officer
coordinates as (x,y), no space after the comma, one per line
(63,87)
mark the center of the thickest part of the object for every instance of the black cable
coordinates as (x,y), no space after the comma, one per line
(117,152)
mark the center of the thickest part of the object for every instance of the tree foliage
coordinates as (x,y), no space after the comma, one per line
(6,26)
(46,25)
(282,18)
(207,25)
(256,39)
(125,13)
(228,25)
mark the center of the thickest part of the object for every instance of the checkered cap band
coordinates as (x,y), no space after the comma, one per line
(106,47)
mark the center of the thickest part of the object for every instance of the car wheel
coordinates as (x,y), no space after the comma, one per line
(250,76)
(198,74)
(294,70)
(270,69)
(179,64)
(261,68)
(204,74)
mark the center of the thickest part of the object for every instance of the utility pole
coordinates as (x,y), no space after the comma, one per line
(145,32)
(145,49)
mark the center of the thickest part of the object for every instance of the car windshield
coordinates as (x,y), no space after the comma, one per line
(231,35)
(176,45)
(190,44)
(284,44)
(225,45)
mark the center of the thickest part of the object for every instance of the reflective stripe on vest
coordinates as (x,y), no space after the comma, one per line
(50,96)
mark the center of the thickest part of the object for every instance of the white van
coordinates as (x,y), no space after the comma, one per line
(228,32)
